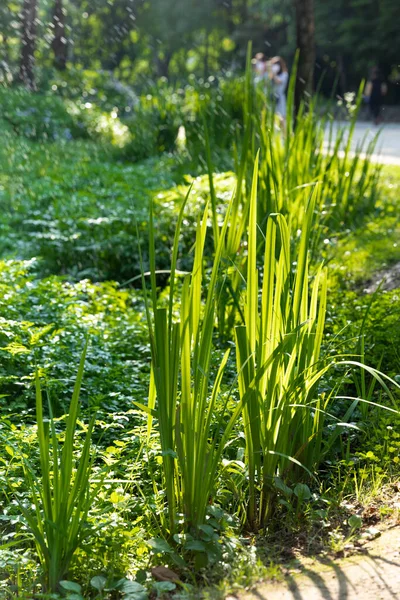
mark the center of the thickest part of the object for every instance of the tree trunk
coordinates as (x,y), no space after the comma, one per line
(229,12)
(28,42)
(59,44)
(305,34)
(163,64)
(243,11)
(206,53)
(6,49)
(342,73)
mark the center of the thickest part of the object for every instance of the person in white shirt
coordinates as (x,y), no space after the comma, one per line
(279,77)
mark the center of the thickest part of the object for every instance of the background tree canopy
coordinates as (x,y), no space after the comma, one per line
(142,39)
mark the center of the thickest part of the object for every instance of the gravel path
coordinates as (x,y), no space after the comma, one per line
(374,575)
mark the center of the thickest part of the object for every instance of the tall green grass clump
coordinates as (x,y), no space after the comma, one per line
(278,358)
(307,154)
(60,489)
(185,397)
(280,364)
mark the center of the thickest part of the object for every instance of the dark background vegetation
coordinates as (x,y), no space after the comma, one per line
(139,40)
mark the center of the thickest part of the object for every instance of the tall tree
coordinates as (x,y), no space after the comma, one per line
(305,38)
(28,43)
(59,43)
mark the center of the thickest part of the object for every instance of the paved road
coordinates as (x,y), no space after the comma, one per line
(388,146)
(375,576)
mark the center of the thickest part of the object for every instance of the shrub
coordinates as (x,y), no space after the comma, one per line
(95,86)
(47,117)
(37,116)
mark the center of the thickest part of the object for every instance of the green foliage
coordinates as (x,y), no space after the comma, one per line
(47,117)
(45,321)
(214,439)
(85,106)
(279,361)
(61,494)
(359,260)
(182,397)
(307,157)
(37,117)
(163,109)
(79,211)
(153,127)
(290,167)
(100,88)
(381,447)
(98,125)
(76,208)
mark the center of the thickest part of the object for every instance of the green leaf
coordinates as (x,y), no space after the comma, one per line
(201,560)
(302,491)
(159,546)
(195,545)
(98,582)
(70,586)
(10,450)
(208,532)
(355,522)
(15,348)
(285,503)
(141,575)
(164,586)
(283,487)
(131,589)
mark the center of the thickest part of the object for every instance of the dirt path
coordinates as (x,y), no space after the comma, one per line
(374,575)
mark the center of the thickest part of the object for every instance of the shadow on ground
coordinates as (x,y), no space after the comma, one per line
(374,575)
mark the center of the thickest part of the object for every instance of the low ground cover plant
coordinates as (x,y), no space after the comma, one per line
(44,323)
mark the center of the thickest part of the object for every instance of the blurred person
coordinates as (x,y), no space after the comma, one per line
(279,77)
(375,90)
(259,63)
